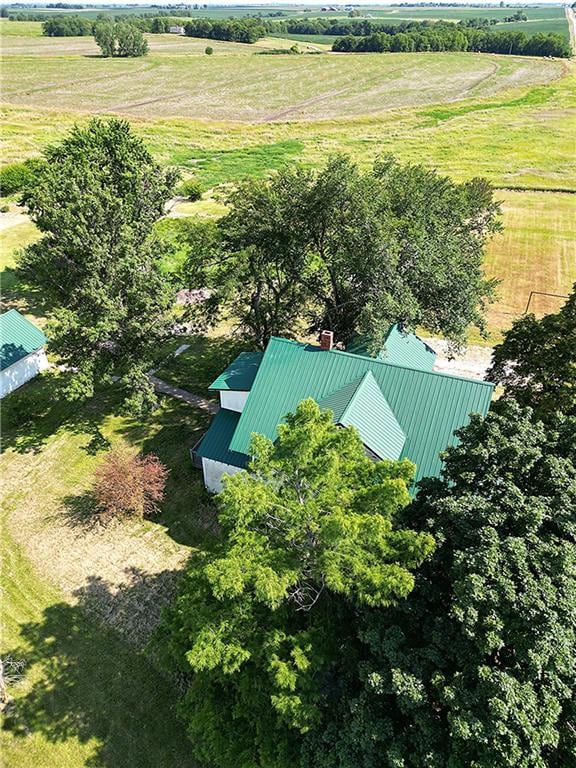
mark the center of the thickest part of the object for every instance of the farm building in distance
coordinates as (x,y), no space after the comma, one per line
(401,407)
(22,354)
(177,30)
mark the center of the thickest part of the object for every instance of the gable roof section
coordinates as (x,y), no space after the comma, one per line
(407,349)
(400,348)
(361,404)
(240,374)
(428,406)
(18,338)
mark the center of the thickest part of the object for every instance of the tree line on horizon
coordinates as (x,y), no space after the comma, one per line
(355,35)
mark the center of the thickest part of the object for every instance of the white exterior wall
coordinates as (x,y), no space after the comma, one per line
(233,401)
(213,471)
(25,369)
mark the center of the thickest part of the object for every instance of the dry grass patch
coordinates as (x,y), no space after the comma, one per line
(535,252)
(124,572)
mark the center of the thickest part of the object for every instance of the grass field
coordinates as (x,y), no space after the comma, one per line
(520,137)
(535,252)
(80,603)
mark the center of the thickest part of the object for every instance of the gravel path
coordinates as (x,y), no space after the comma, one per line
(182,394)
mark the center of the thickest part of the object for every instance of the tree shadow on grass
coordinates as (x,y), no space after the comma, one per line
(87,684)
(81,512)
(36,411)
(187,511)
(17,294)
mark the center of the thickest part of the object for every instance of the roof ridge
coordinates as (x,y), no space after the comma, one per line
(383,362)
(360,380)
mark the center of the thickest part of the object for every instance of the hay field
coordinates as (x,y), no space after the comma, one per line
(254,88)
(535,252)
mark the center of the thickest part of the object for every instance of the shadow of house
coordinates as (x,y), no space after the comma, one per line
(87,684)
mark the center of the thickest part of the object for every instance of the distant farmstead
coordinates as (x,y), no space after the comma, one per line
(401,407)
(22,354)
(177,30)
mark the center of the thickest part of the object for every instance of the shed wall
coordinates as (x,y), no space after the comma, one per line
(25,369)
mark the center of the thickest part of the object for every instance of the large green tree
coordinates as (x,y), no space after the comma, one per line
(536,362)
(261,626)
(354,251)
(120,39)
(97,266)
(477,667)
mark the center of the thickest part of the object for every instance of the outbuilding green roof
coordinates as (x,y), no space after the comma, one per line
(361,404)
(427,405)
(18,338)
(240,374)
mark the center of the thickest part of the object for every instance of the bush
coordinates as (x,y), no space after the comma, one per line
(129,485)
(191,189)
(208,50)
(14,177)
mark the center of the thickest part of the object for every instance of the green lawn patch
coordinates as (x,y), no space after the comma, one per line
(88,697)
(197,368)
(533,98)
(228,165)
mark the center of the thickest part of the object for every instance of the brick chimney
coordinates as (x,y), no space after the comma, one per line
(326,340)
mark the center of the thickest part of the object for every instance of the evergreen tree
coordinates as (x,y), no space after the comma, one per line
(95,199)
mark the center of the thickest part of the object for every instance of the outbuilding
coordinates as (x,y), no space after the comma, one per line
(22,354)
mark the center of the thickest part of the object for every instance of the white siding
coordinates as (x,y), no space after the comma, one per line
(233,401)
(213,471)
(19,373)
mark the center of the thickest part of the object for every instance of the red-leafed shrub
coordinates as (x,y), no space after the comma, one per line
(129,485)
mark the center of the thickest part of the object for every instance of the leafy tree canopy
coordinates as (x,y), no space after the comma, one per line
(536,362)
(477,666)
(120,38)
(354,251)
(309,537)
(95,199)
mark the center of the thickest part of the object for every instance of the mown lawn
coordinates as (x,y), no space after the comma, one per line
(535,252)
(79,603)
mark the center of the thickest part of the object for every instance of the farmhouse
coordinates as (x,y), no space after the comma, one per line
(399,404)
(22,354)
(176,30)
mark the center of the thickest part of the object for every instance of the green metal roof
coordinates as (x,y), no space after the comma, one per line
(240,374)
(216,441)
(427,405)
(407,349)
(361,404)
(18,338)
(400,348)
